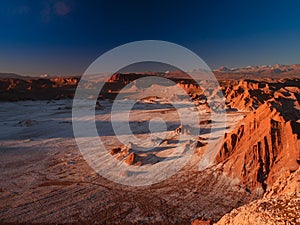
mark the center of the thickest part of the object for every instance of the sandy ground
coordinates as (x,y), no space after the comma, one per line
(45,179)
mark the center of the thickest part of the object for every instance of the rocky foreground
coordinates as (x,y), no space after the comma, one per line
(279,205)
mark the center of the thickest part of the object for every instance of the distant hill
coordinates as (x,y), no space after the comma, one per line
(14,76)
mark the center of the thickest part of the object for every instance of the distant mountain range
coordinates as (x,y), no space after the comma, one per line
(262,71)
(277,68)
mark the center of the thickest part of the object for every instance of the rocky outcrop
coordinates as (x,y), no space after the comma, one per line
(131,159)
(265,144)
(280,205)
(247,95)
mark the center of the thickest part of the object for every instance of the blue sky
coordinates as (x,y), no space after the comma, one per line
(66,36)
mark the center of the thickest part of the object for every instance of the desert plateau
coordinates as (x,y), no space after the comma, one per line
(251,171)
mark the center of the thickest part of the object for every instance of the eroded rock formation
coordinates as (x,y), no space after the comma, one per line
(265,144)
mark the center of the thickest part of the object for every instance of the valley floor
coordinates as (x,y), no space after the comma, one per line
(45,179)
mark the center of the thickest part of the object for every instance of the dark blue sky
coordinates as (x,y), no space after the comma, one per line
(65,36)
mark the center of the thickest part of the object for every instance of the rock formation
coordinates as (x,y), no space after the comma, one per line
(279,205)
(265,144)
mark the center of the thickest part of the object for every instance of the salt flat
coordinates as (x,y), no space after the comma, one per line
(44,177)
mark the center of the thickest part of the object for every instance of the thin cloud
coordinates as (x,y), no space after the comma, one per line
(53,9)
(61,8)
(46,12)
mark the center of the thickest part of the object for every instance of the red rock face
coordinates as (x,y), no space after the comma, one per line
(263,152)
(247,95)
(250,94)
(265,144)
